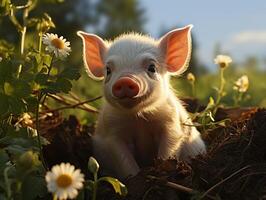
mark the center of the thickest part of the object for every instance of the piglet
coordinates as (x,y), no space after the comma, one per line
(141,119)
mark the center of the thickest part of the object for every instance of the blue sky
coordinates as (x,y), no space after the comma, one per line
(239,26)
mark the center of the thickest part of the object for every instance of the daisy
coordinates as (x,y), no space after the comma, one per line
(241,85)
(64,181)
(58,45)
(223,61)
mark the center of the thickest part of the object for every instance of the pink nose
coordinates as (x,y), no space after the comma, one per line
(125,87)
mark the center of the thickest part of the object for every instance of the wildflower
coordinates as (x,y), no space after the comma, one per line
(58,45)
(64,181)
(222,60)
(241,85)
(190,77)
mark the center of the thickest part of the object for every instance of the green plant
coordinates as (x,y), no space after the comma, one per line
(92,185)
(205,118)
(28,74)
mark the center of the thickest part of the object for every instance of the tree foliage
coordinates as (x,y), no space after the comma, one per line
(116,17)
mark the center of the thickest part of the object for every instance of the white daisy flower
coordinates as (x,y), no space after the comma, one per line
(64,181)
(241,85)
(58,45)
(222,60)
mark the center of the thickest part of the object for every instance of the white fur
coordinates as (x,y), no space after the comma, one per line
(154,125)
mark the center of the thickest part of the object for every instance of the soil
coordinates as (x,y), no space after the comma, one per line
(233,168)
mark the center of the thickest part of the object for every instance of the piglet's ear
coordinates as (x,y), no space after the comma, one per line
(94,49)
(176,48)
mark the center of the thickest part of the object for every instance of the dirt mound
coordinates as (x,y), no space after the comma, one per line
(233,168)
(235,165)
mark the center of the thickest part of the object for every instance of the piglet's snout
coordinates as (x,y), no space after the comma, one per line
(125,87)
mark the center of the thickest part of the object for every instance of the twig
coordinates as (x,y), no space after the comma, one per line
(222,181)
(74,96)
(68,105)
(173,185)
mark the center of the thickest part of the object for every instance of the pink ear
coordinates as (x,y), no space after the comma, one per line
(93,52)
(176,48)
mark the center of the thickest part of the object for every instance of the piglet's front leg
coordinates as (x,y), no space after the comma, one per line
(193,146)
(170,144)
(114,154)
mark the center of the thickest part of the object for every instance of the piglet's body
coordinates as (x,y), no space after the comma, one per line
(142,119)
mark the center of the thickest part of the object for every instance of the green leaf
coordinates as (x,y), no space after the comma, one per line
(20,138)
(41,78)
(3,104)
(63,85)
(8,88)
(3,159)
(37,59)
(5,72)
(31,103)
(71,73)
(211,104)
(67,86)
(16,105)
(22,89)
(6,48)
(16,149)
(33,187)
(18,88)
(119,187)
(47,59)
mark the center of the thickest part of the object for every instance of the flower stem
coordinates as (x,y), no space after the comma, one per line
(95,186)
(23,36)
(8,189)
(40,42)
(220,91)
(48,74)
(22,44)
(238,98)
(193,90)
(51,65)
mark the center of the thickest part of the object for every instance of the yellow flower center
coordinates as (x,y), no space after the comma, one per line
(223,65)
(57,43)
(64,180)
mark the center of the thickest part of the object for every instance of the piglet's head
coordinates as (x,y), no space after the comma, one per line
(136,68)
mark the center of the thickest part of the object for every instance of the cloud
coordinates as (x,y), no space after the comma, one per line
(255,37)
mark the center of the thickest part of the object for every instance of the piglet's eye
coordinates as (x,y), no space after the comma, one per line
(108,71)
(152,68)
